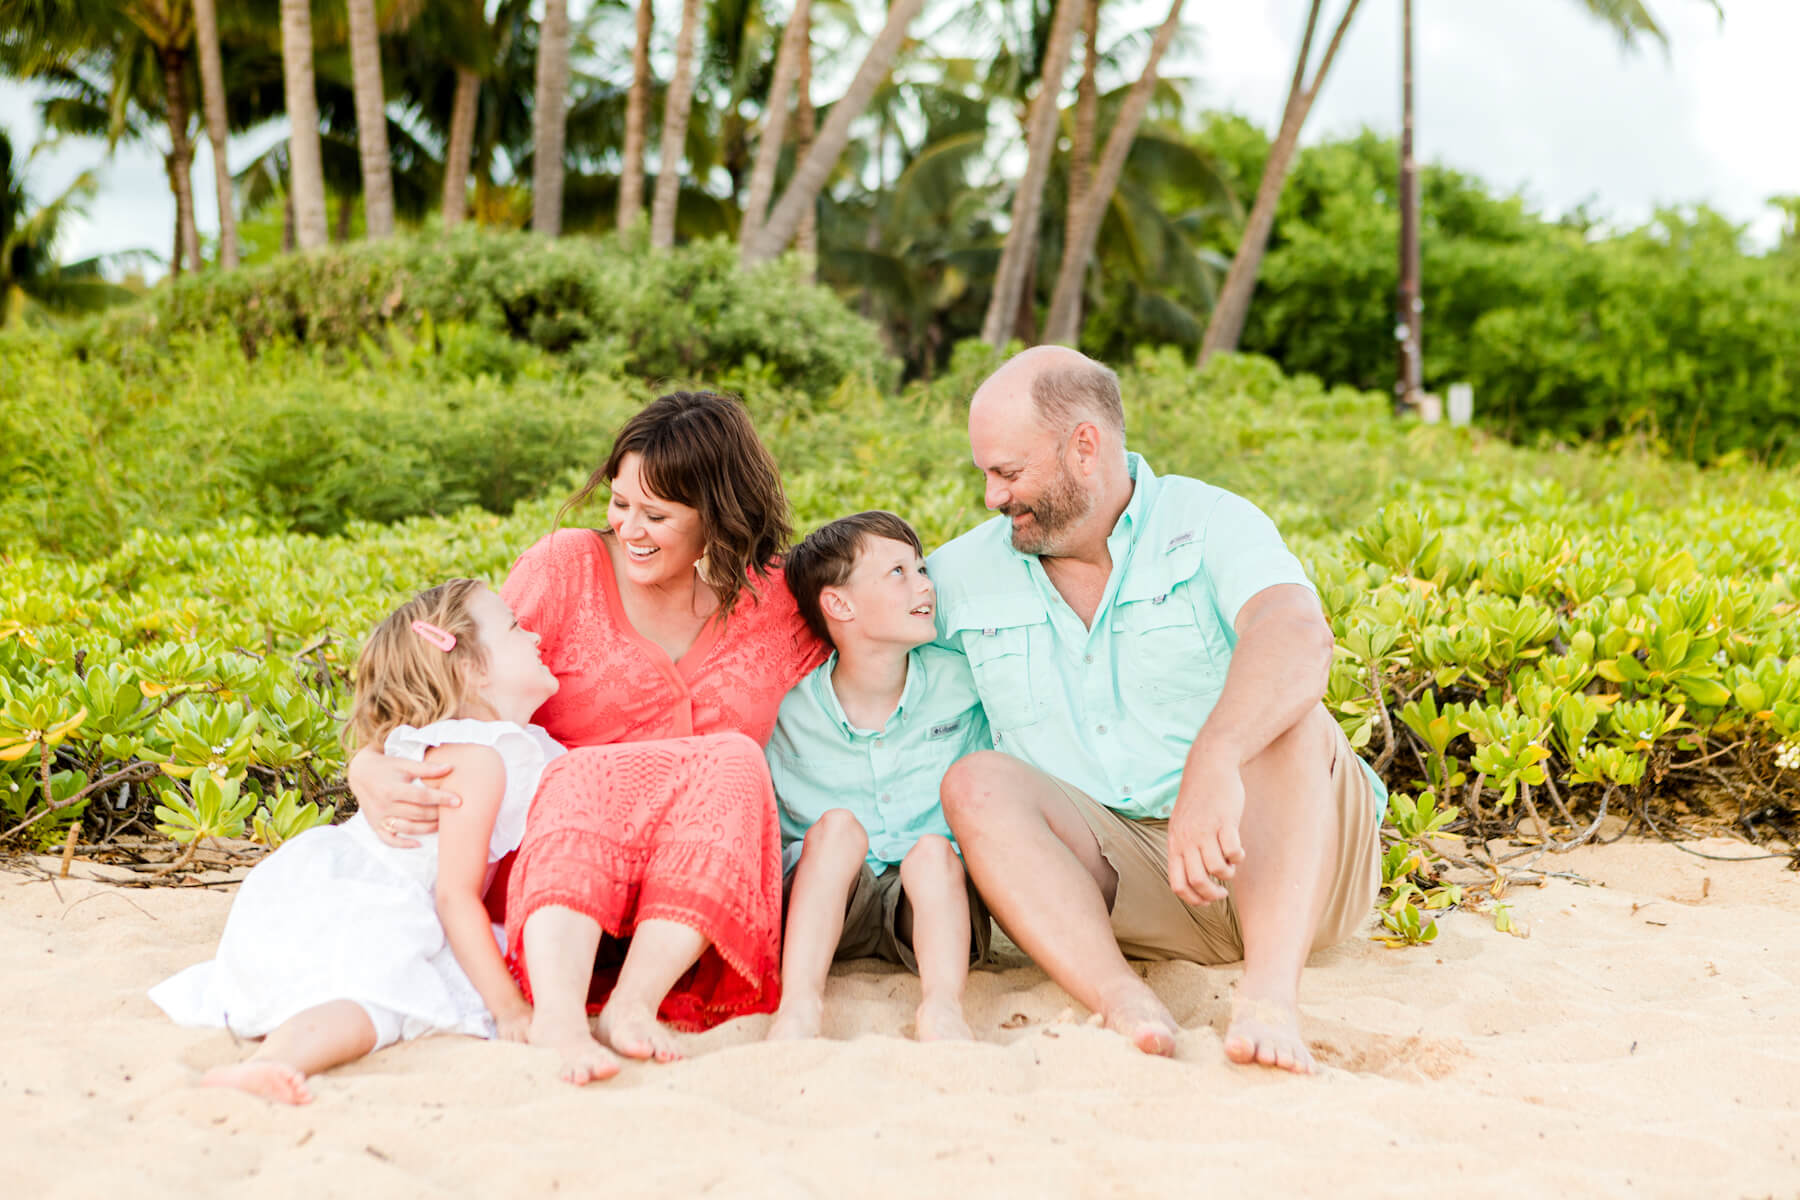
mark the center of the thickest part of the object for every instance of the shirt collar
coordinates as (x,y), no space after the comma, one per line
(825,692)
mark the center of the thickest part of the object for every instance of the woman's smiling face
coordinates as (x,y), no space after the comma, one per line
(662,540)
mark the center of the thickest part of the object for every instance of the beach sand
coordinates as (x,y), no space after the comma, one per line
(1644,1040)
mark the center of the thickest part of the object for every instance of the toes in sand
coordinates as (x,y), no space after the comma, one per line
(941,1021)
(636,1033)
(1267,1034)
(262,1077)
(794,1023)
(1143,1019)
(583,1060)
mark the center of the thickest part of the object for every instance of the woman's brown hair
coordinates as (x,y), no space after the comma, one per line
(403,677)
(700,449)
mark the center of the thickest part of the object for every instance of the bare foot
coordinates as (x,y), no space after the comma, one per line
(941,1021)
(1140,1016)
(635,1032)
(262,1077)
(584,1060)
(796,1020)
(1267,1034)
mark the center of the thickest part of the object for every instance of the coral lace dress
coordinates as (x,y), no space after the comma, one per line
(663,807)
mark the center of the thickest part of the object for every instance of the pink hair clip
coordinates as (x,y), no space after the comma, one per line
(443,639)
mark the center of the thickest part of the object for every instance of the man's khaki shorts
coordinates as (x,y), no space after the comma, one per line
(1151,921)
(878,920)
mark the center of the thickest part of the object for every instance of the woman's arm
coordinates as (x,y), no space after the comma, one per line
(478,775)
(391,795)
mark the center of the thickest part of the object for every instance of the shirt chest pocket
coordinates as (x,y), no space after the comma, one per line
(1167,649)
(1000,658)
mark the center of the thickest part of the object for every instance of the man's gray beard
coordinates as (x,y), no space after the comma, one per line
(1064,504)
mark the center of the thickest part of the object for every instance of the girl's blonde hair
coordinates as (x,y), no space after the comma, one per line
(403,678)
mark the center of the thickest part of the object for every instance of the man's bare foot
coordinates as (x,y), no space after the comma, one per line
(634,1031)
(584,1060)
(1264,1033)
(262,1077)
(1140,1016)
(796,1020)
(941,1021)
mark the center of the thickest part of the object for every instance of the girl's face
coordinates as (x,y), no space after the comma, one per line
(662,540)
(515,682)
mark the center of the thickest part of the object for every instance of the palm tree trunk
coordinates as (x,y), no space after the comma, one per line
(461,147)
(371,121)
(810,173)
(806,237)
(1064,324)
(674,133)
(768,147)
(637,115)
(1040,142)
(1233,305)
(212,101)
(1410,316)
(306,175)
(550,119)
(181,159)
(1087,116)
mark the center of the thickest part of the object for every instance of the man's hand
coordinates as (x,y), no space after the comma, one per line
(1203,831)
(392,795)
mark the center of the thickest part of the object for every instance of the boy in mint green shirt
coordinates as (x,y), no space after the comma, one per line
(859,749)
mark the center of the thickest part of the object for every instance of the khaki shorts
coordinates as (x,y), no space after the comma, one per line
(1151,921)
(876,927)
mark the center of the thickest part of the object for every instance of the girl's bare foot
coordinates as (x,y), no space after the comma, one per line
(262,1077)
(584,1060)
(1264,1033)
(634,1031)
(941,1021)
(796,1020)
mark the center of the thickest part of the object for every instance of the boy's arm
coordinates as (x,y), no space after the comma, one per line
(478,776)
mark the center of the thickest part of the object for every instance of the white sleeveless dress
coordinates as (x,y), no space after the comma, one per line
(335,914)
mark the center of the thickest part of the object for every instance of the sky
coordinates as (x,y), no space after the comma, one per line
(1532,95)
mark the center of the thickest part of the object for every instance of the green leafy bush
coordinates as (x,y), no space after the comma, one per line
(606,303)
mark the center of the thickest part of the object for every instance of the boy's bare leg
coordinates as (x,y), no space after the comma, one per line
(661,951)
(830,859)
(934,888)
(305,1044)
(559,949)
(1042,874)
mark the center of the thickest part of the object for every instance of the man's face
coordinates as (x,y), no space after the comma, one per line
(1028,479)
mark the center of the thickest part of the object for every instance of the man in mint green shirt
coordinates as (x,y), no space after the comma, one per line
(1165,782)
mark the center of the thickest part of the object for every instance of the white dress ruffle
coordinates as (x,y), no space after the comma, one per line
(335,914)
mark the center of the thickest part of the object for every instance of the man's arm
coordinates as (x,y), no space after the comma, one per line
(1278,673)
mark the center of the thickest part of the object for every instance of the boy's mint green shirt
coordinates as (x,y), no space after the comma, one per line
(1113,708)
(888,777)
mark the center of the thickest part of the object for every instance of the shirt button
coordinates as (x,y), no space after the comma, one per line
(885,797)
(878,743)
(1088,659)
(1100,728)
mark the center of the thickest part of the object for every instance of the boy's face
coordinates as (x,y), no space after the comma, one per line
(888,596)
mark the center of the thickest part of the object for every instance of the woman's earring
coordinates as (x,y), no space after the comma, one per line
(705,570)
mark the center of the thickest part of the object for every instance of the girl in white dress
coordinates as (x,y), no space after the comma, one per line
(338,944)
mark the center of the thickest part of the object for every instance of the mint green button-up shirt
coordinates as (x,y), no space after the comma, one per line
(888,777)
(1113,707)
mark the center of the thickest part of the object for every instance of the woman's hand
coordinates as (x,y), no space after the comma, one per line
(394,797)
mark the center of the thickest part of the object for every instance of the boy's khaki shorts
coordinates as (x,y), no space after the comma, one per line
(1151,921)
(878,920)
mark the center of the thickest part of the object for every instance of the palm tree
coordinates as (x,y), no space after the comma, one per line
(306,179)
(637,113)
(1628,18)
(459,146)
(1019,252)
(371,120)
(788,62)
(811,172)
(676,107)
(212,98)
(549,119)
(29,272)
(1064,323)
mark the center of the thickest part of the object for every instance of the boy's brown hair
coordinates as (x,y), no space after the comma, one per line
(403,678)
(827,555)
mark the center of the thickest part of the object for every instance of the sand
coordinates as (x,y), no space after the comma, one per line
(1644,1040)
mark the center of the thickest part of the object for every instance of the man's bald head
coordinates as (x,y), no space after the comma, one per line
(1064,388)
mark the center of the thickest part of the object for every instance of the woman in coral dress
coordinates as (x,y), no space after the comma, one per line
(673,637)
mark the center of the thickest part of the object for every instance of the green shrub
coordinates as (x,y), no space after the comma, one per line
(613,306)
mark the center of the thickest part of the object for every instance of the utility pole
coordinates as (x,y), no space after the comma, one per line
(1409,315)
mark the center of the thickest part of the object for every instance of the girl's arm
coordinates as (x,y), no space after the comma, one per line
(478,776)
